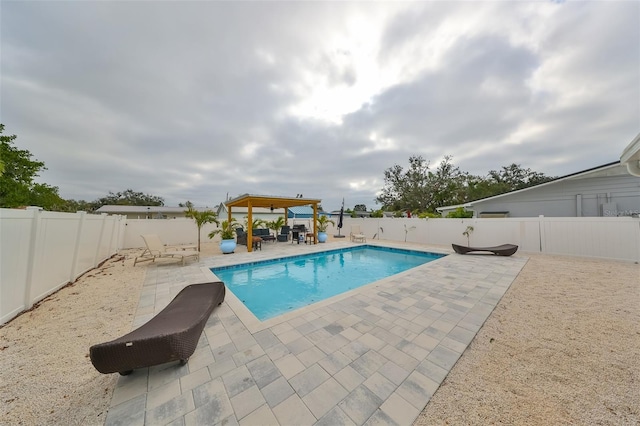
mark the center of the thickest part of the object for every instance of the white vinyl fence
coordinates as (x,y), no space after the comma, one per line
(170,231)
(615,238)
(42,251)
(599,237)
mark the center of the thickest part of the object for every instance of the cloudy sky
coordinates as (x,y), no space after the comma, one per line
(197,100)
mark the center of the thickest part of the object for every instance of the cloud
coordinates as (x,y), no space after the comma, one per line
(194,100)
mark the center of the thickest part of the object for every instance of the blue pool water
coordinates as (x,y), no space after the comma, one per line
(274,287)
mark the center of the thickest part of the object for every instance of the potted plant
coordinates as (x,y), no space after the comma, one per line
(227,232)
(322,224)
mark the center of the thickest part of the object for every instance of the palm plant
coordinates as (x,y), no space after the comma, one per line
(323,222)
(468,232)
(275,225)
(255,223)
(227,230)
(406,231)
(201,218)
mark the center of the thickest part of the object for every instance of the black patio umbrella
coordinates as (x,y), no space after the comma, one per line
(340,220)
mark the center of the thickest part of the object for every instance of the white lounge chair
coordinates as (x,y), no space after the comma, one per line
(356,235)
(156,250)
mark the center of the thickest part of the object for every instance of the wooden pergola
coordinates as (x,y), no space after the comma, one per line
(273,203)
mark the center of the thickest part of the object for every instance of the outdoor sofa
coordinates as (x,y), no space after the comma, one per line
(263,233)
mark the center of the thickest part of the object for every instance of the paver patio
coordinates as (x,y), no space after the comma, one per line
(374,355)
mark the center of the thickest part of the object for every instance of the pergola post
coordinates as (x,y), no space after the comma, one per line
(249,228)
(315,223)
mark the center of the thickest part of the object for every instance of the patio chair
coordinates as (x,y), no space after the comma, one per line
(356,235)
(156,250)
(241,236)
(284,234)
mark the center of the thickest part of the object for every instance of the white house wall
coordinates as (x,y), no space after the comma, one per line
(583,197)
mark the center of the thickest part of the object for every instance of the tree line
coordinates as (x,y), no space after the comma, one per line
(418,188)
(18,169)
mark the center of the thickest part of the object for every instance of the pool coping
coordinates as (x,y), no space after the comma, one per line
(255,325)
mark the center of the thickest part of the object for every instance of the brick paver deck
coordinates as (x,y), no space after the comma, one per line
(374,355)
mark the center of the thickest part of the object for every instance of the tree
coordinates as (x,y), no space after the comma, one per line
(201,218)
(129,198)
(17,186)
(47,197)
(405,190)
(418,189)
(460,213)
(78,205)
(478,187)
(360,208)
(514,177)
(445,185)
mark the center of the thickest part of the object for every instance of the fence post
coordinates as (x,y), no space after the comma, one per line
(76,250)
(541,231)
(31,254)
(95,256)
(122,231)
(638,239)
(113,235)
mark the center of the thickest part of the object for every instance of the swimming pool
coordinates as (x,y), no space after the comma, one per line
(273,287)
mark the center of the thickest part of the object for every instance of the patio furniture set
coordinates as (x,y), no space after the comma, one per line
(297,233)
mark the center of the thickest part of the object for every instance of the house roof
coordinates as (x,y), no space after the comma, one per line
(268,201)
(603,170)
(300,211)
(260,210)
(631,156)
(116,209)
